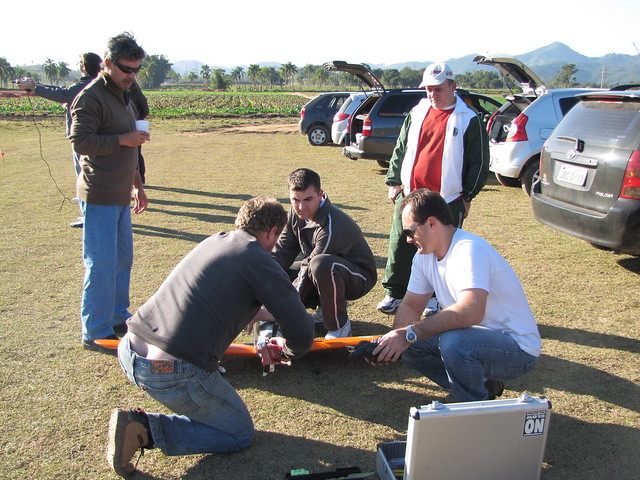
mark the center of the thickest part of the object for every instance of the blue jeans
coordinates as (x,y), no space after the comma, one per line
(212,418)
(107,251)
(462,360)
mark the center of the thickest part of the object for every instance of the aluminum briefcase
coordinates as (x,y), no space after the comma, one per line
(486,440)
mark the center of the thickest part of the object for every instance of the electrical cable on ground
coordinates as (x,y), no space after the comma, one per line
(65,198)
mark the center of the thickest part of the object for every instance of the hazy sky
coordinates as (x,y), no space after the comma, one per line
(229,33)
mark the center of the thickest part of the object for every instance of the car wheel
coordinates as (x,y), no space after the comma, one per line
(318,135)
(507,181)
(383,163)
(530,176)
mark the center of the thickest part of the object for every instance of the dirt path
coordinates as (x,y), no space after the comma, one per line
(288,128)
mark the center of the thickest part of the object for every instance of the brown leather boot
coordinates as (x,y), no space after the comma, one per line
(128,432)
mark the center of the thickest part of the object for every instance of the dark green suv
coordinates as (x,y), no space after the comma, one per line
(375,125)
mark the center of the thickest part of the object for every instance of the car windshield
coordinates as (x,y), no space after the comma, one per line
(611,124)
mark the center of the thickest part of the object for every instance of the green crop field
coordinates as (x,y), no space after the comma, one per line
(181,104)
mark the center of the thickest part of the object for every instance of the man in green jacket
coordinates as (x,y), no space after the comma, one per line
(443,146)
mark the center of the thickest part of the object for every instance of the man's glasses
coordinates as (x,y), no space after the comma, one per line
(411,231)
(125,69)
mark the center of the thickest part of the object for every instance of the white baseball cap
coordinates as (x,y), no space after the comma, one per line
(436,74)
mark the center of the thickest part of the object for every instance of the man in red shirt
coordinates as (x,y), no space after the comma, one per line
(442,146)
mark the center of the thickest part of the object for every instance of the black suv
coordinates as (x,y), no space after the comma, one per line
(375,125)
(316,117)
(589,184)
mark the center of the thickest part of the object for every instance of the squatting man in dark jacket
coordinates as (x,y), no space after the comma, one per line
(336,262)
(176,339)
(485,332)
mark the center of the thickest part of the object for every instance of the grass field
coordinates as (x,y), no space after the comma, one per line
(322,412)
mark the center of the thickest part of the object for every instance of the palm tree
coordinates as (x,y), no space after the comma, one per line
(321,76)
(253,72)
(205,72)
(63,71)
(309,70)
(156,70)
(50,70)
(220,79)
(7,72)
(269,75)
(174,77)
(237,73)
(192,77)
(288,71)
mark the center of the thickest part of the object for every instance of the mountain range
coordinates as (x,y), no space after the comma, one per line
(546,62)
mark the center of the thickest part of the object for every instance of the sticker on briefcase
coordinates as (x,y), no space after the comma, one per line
(534,423)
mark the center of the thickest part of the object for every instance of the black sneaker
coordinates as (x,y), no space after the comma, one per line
(495,388)
(121,329)
(449,398)
(95,347)
(128,432)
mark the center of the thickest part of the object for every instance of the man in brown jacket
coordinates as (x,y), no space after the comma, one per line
(103,133)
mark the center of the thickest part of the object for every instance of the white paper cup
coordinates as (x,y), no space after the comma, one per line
(142,125)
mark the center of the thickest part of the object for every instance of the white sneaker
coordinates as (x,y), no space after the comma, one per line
(317,316)
(389,305)
(263,331)
(79,223)
(345,331)
(432,308)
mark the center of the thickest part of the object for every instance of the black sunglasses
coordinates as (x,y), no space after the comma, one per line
(410,232)
(126,69)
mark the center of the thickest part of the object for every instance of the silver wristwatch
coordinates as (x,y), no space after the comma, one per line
(411,335)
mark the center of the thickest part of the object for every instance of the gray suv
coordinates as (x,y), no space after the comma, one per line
(316,117)
(375,125)
(589,184)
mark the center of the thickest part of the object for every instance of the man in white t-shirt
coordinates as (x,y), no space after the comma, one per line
(485,332)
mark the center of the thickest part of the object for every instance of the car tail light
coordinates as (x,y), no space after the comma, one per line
(517,130)
(491,120)
(302,113)
(366,127)
(631,181)
(338,117)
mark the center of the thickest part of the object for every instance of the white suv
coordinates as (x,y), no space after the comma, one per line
(515,157)
(518,157)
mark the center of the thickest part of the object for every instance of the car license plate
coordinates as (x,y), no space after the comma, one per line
(572,174)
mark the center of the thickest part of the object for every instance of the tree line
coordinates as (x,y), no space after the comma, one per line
(157,70)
